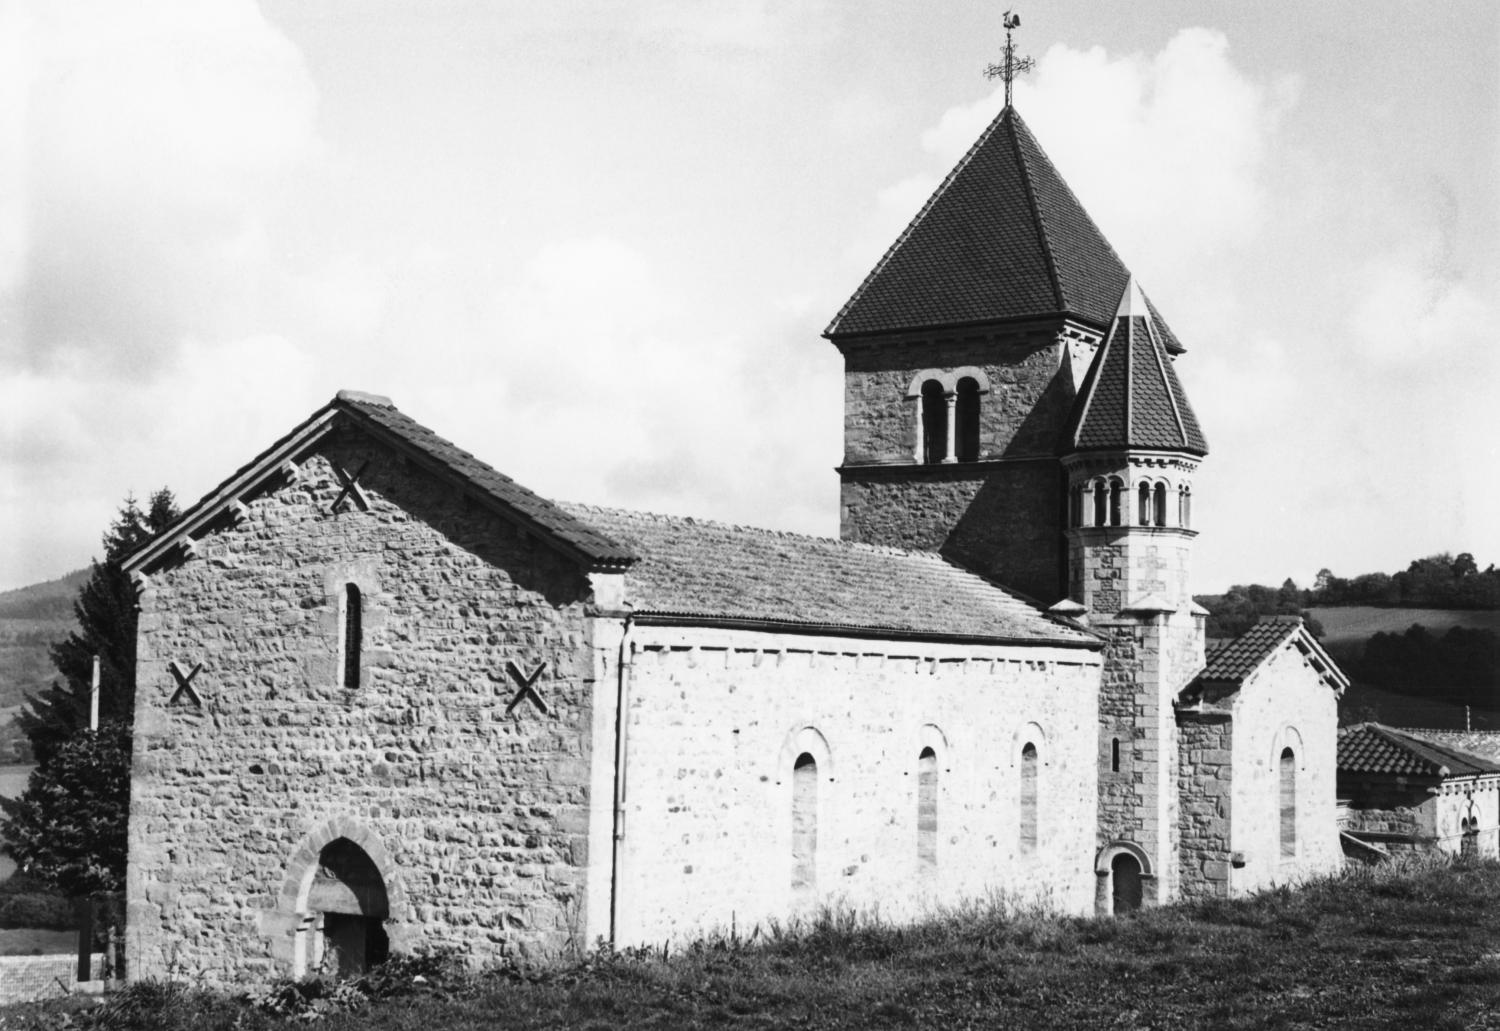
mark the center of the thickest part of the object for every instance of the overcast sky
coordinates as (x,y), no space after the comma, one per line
(596,243)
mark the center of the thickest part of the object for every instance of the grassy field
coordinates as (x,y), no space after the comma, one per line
(1357,622)
(1394,949)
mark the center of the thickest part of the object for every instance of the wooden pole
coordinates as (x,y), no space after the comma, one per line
(94,697)
(84,907)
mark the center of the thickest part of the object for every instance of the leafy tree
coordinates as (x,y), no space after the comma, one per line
(69,828)
(106,614)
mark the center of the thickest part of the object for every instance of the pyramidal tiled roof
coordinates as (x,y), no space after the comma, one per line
(1131,397)
(1003,237)
(700,569)
(1375,748)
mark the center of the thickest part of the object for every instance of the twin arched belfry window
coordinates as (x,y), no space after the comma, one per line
(948,419)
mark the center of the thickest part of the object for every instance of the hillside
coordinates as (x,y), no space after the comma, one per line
(49,601)
(31,619)
(1359,622)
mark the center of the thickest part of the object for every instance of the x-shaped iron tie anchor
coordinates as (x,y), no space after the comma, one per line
(185,684)
(527,689)
(350,489)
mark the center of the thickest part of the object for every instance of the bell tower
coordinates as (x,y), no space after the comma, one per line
(1131,450)
(962,351)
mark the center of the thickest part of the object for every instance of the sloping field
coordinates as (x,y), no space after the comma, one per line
(1357,622)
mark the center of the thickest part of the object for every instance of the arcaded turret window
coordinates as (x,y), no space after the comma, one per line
(934,423)
(353,635)
(1075,506)
(966,420)
(1288,803)
(1101,501)
(1184,506)
(1159,505)
(927,786)
(1116,501)
(804,826)
(1145,506)
(1028,799)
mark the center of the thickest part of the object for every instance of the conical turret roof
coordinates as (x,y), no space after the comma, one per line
(1003,238)
(1131,397)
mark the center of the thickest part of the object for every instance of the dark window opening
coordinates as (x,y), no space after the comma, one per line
(927,783)
(353,635)
(1288,803)
(804,826)
(966,418)
(1100,501)
(1028,799)
(1114,755)
(934,423)
(1159,505)
(1116,492)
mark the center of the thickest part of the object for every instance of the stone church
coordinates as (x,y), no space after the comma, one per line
(389,698)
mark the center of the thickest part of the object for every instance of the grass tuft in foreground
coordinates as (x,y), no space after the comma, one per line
(1404,946)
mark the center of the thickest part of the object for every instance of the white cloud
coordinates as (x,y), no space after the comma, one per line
(155,139)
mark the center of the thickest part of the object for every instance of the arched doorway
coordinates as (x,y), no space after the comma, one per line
(347,907)
(1125,875)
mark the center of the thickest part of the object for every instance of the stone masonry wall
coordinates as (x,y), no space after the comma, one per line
(1002,519)
(1284,704)
(1001,515)
(1021,417)
(1205,778)
(717,718)
(477,819)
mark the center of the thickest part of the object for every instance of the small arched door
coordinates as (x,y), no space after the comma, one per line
(349,894)
(1125,875)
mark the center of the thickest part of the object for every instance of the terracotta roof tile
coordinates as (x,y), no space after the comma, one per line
(1236,659)
(1131,397)
(1374,748)
(694,567)
(384,415)
(1003,237)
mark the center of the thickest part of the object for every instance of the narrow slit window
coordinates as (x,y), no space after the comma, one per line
(804,827)
(1028,799)
(353,635)
(934,423)
(1159,505)
(966,418)
(1288,804)
(1100,501)
(1114,755)
(927,787)
(1116,494)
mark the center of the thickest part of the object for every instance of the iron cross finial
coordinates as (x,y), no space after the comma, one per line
(1012,65)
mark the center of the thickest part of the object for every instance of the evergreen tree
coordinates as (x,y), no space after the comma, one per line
(68,828)
(106,614)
